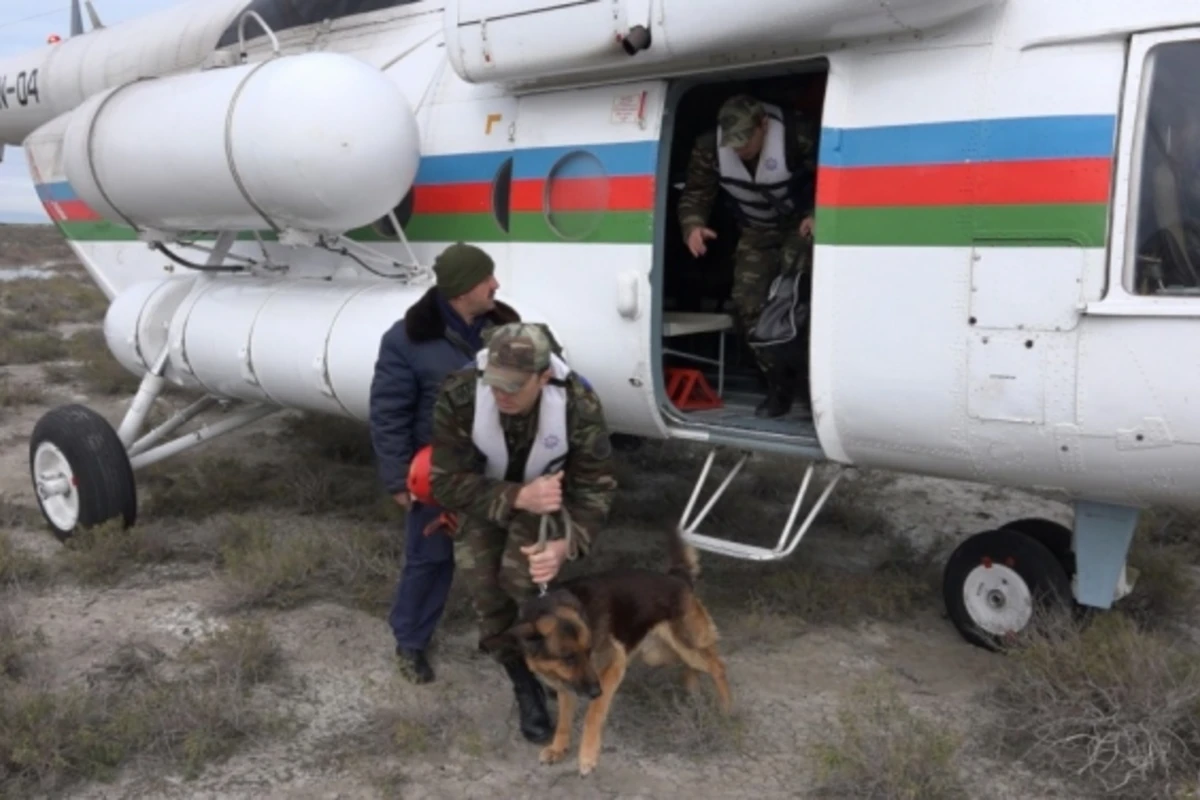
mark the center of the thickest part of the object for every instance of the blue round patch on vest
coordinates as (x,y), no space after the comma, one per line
(771,163)
(550,442)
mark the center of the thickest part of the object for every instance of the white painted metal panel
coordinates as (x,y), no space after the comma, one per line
(1136,369)
(1005,374)
(475,10)
(1034,289)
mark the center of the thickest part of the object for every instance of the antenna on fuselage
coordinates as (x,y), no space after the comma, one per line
(76,18)
(93,16)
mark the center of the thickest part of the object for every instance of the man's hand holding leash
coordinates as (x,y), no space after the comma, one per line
(543,496)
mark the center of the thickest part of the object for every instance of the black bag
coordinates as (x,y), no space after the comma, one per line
(784,315)
(781,332)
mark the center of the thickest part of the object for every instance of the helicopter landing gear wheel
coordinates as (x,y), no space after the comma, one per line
(996,582)
(1055,536)
(81,471)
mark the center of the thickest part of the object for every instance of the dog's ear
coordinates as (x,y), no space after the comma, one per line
(525,631)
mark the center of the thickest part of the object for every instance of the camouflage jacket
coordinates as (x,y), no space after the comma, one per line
(704,172)
(457,474)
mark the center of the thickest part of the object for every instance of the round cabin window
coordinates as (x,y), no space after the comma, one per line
(576,196)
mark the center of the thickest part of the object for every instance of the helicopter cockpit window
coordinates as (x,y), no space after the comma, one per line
(1167,238)
(283,14)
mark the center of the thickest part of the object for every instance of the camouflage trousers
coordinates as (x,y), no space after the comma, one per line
(760,257)
(496,575)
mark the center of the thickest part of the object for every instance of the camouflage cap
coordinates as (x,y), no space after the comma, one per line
(738,118)
(516,351)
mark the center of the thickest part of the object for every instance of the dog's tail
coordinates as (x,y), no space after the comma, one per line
(682,560)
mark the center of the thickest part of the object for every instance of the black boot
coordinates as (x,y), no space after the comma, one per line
(531,702)
(413,665)
(779,398)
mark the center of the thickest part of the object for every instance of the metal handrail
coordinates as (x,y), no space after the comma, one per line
(262,23)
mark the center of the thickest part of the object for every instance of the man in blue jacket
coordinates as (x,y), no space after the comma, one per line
(439,334)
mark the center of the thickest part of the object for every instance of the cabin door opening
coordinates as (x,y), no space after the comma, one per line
(698,329)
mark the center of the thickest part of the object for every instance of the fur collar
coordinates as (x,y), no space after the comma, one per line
(423,321)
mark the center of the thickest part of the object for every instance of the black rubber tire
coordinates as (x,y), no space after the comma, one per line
(100,463)
(1055,536)
(1035,563)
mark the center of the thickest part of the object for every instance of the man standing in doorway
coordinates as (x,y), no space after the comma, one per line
(439,334)
(766,162)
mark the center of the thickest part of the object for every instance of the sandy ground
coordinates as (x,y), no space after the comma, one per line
(457,737)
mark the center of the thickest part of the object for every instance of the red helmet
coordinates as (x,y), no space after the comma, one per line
(418,476)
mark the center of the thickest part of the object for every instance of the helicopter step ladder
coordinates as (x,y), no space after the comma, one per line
(789,539)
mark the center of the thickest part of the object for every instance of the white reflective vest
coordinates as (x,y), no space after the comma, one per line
(550,445)
(771,175)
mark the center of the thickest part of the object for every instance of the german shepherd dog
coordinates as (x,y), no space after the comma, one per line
(580,637)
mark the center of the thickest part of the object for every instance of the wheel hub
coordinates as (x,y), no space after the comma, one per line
(54,481)
(998,599)
(52,486)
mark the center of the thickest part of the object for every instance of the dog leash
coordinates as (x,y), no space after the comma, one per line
(543,535)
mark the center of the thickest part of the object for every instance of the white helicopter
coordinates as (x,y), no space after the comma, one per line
(1003,286)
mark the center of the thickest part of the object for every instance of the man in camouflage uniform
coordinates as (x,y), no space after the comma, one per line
(767,164)
(517,437)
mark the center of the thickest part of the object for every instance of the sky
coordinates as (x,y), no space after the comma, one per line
(24,25)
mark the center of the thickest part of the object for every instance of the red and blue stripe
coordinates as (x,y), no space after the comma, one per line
(1028,180)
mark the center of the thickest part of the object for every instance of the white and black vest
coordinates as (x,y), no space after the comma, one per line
(772,175)
(549,450)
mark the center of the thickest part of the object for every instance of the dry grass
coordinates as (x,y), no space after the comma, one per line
(14,516)
(195,487)
(17,567)
(267,562)
(1111,705)
(32,311)
(417,729)
(331,439)
(432,725)
(880,748)
(32,245)
(98,371)
(899,585)
(107,554)
(654,716)
(15,648)
(132,708)
(41,303)
(58,374)
(1164,548)
(18,394)
(243,652)
(30,348)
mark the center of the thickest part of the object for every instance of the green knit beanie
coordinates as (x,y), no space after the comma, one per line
(460,268)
